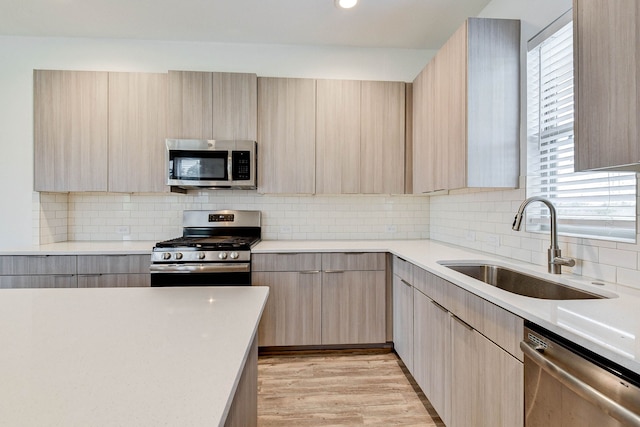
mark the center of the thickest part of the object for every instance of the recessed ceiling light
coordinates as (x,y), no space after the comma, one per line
(346,4)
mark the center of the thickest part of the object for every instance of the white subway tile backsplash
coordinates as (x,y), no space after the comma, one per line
(98,216)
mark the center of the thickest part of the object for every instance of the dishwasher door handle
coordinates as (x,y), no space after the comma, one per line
(584,390)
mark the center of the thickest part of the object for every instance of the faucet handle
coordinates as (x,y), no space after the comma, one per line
(569,262)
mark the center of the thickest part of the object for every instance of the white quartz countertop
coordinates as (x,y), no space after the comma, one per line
(124,356)
(111,247)
(609,327)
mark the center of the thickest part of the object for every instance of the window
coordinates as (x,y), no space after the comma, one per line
(589,204)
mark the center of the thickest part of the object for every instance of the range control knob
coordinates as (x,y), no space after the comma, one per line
(201,255)
(222,255)
(178,255)
(234,255)
(166,255)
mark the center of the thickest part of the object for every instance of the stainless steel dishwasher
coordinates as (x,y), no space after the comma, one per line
(567,385)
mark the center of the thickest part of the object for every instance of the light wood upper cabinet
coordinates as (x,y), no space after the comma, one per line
(466,110)
(338,159)
(382,141)
(286,135)
(190,105)
(70,130)
(606,79)
(235,106)
(205,105)
(137,131)
(360,137)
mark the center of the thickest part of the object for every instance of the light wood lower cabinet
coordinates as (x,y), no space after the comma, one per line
(403,327)
(38,271)
(465,357)
(353,307)
(113,271)
(71,271)
(431,358)
(322,299)
(292,313)
(43,281)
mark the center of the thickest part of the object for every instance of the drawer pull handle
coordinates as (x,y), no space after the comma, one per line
(310,272)
(406,283)
(439,306)
(334,271)
(462,322)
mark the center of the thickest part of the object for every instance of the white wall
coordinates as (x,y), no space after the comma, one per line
(482,219)
(20,55)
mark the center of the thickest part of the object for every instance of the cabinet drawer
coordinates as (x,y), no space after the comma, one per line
(403,269)
(286,262)
(39,281)
(114,280)
(354,261)
(113,264)
(432,286)
(14,265)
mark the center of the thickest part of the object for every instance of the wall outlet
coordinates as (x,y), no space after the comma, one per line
(123,229)
(285,229)
(392,228)
(471,236)
(493,240)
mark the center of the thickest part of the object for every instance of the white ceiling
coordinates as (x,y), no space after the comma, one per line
(414,24)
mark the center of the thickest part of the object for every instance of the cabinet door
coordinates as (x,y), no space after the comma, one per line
(452,94)
(465,407)
(338,162)
(606,35)
(432,350)
(137,132)
(112,264)
(382,138)
(286,135)
(353,307)
(16,265)
(190,105)
(114,280)
(292,313)
(44,281)
(403,322)
(235,106)
(70,130)
(425,111)
(500,386)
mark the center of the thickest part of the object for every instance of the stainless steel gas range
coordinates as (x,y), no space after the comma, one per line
(214,250)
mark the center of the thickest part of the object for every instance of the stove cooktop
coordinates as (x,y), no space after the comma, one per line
(211,242)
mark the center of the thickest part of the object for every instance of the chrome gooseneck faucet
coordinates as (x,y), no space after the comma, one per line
(556,261)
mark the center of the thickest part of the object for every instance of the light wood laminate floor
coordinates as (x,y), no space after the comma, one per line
(339,389)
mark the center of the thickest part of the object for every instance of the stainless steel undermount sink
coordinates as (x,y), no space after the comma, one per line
(519,283)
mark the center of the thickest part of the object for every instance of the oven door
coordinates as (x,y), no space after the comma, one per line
(209,274)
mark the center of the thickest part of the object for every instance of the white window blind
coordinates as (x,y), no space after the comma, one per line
(589,204)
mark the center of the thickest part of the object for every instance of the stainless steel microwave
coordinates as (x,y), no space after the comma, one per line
(208,163)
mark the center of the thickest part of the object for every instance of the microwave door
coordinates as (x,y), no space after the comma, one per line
(200,168)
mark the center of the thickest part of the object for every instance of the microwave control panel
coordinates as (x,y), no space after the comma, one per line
(240,165)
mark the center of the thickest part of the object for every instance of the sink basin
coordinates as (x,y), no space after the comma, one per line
(519,283)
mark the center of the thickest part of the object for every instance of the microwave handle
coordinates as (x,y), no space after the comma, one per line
(230,165)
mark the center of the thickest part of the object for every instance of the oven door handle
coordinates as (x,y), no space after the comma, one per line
(244,267)
(578,386)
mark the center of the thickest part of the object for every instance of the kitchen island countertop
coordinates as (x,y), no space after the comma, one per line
(124,356)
